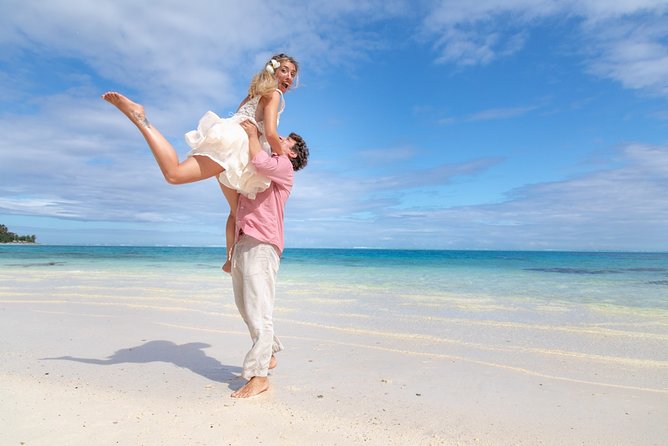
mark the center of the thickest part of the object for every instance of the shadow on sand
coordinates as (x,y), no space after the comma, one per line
(188,356)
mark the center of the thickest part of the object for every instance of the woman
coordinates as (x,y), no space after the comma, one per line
(220,145)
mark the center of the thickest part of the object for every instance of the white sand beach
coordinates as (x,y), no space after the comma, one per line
(151,359)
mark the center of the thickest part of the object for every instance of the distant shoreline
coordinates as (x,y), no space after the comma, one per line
(356,249)
(19,243)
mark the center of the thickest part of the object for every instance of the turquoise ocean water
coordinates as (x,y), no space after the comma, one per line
(633,280)
(594,318)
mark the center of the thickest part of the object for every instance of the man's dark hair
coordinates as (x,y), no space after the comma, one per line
(301,149)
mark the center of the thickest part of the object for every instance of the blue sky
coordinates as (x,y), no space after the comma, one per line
(491,124)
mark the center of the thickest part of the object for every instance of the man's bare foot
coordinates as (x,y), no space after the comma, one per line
(273,363)
(255,386)
(227,267)
(131,109)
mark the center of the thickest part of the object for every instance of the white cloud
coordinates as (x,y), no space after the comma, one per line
(472,33)
(634,54)
(200,53)
(621,208)
(622,40)
(78,159)
(387,156)
(43,207)
(500,113)
(615,208)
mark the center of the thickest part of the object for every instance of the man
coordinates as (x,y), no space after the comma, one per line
(257,251)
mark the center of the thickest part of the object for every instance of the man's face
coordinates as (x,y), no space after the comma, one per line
(286,146)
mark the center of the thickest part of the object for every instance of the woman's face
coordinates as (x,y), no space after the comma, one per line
(285,75)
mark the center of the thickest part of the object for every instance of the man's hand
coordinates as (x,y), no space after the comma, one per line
(249,128)
(253,139)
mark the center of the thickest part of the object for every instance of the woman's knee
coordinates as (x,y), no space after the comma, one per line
(173,175)
(173,179)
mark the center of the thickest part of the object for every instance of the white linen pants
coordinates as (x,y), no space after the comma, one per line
(254,270)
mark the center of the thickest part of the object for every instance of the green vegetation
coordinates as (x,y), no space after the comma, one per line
(9,237)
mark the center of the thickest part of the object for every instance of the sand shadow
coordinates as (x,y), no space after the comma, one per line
(188,356)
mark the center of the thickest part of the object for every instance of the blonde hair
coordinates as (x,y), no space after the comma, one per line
(264,82)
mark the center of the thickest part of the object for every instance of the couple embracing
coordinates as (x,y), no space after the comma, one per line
(255,169)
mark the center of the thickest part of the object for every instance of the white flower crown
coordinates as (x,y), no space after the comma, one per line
(272,65)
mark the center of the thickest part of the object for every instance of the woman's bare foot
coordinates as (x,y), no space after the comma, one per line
(131,109)
(273,363)
(227,267)
(255,386)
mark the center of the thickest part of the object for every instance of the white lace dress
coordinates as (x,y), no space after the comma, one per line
(225,141)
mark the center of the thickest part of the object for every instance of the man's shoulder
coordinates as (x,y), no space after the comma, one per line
(284,161)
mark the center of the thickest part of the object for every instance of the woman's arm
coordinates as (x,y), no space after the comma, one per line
(270,118)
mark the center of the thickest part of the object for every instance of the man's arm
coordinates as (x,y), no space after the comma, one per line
(254,146)
(277,168)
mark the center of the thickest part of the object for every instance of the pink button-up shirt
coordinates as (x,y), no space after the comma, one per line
(262,218)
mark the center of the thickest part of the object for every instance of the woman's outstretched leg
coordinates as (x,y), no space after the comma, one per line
(195,168)
(232,197)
